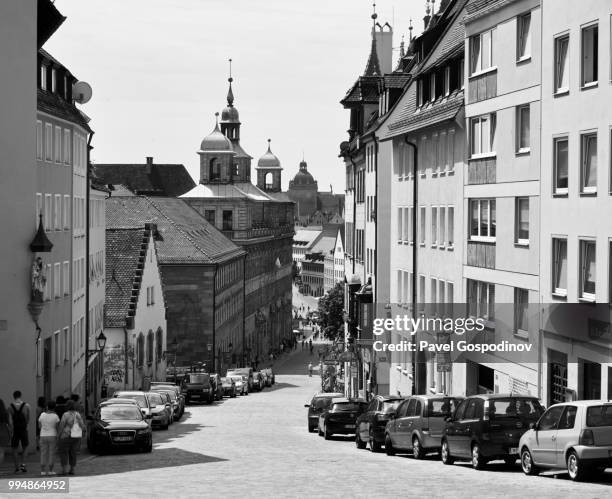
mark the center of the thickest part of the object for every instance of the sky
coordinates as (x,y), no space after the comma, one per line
(159,70)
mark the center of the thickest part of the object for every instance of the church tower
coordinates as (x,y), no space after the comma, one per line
(269,172)
(217,158)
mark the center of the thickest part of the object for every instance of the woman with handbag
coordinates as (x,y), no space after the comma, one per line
(70,431)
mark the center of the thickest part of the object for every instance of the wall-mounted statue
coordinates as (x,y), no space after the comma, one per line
(39,279)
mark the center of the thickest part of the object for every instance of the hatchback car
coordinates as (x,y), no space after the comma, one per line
(488,427)
(229,387)
(341,417)
(418,424)
(572,435)
(140,398)
(258,381)
(161,413)
(166,385)
(241,382)
(319,403)
(119,426)
(371,424)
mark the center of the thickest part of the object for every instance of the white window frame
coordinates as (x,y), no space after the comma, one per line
(520,147)
(66,147)
(57,144)
(477,136)
(484,290)
(422,225)
(57,212)
(48,212)
(43,76)
(53,80)
(517,221)
(400,225)
(556,189)
(434,226)
(39,140)
(66,212)
(584,244)
(57,280)
(583,64)
(477,65)
(432,87)
(491,206)
(66,343)
(407,223)
(558,80)
(48,142)
(585,143)
(66,278)
(447,72)
(450,227)
(521,312)
(442,227)
(521,43)
(557,265)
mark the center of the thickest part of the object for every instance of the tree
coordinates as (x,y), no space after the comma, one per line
(331,310)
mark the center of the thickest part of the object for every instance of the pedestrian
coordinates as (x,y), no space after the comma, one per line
(48,423)
(310,369)
(5,430)
(76,398)
(70,431)
(303,343)
(40,408)
(20,418)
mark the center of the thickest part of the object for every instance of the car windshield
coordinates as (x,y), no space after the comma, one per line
(237,378)
(321,403)
(346,407)
(138,397)
(155,399)
(599,415)
(390,405)
(119,412)
(198,378)
(515,407)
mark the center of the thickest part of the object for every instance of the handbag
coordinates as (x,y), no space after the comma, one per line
(76,431)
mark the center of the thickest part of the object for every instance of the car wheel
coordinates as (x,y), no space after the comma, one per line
(527,463)
(574,467)
(149,447)
(417,450)
(389,446)
(445,454)
(478,461)
(358,442)
(375,445)
(327,435)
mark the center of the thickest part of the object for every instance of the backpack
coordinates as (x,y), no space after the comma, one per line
(19,419)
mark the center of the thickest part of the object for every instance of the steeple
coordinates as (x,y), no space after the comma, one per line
(373,65)
(410,29)
(230,119)
(230,94)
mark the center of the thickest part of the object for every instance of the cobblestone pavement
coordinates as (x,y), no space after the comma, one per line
(258,446)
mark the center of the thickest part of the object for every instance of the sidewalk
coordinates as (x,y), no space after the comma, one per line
(32,463)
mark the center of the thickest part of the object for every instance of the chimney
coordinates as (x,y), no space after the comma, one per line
(384,47)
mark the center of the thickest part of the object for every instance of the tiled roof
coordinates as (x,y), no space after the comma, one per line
(479,8)
(186,237)
(307,236)
(396,80)
(53,104)
(154,179)
(123,248)
(372,66)
(365,89)
(325,244)
(244,190)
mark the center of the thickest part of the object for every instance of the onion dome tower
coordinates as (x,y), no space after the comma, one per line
(269,172)
(216,157)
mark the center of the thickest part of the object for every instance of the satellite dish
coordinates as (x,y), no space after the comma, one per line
(81,92)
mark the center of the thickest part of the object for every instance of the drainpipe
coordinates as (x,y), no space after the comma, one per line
(87,182)
(242,360)
(127,366)
(415,245)
(214,318)
(375,289)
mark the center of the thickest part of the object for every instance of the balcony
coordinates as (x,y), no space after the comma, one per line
(481,254)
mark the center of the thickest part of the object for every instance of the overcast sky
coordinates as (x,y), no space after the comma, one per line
(158,69)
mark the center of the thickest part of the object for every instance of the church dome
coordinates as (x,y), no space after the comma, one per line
(303,177)
(216,141)
(268,160)
(230,115)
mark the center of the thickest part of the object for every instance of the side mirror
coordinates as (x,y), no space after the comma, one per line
(533,426)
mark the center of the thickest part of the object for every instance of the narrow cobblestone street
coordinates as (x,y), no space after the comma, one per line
(258,446)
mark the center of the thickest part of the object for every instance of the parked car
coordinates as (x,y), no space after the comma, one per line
(177,389)
(117,426)
(198,387)
(176,408)
(241,382)
(418,424)
(488,427)
(243,371)
(320,402)
(228,385)
(161,412)
(258,382)
(572,435)
(371,424)
(140,398)
(341,417)
(269,375)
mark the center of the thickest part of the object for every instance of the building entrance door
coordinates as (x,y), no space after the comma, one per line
(557,377)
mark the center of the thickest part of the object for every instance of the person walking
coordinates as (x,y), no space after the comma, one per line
(303,341)
(77,403)
(310,369)
(20,418)
(70,431)
(40,408)
(48,423)
(5,430)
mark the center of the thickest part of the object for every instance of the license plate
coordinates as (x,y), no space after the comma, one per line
(349,426)
(122,439)
(513,450)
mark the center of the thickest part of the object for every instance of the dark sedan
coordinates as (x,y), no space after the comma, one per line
(117,426)
(341,417)
(371,424)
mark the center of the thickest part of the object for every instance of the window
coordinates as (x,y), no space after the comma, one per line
(56,348)
(523,142)
(481,52)
(39,140)
(66,344)
(150,346)
(432,87)
(521,224)
(53,80)
(58,144)
(47,217)
(481,299)
(209,215)
(57,212)
(39,208)
(66,157)
(447,80)
(450,226)
(66,278)
(442,227)
(587,270)
(422,234)
(66,212)
(588,175)
(561,64)
(482,135)
(422,290)
(227,220)
(450,163)
(43,77)
(407,224)
(550,420)
(521,308)
(559,274)
(560,165)
(434,225)
(48,142)
(57,281)
(49,275)
(461,74)
(523,37)
(400,225)
(482,219)
(434,291)
(215,169)
(140,350)
(589,55)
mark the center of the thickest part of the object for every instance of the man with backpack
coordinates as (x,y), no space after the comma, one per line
(20,417)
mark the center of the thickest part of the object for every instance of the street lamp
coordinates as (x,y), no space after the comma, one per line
(101,342)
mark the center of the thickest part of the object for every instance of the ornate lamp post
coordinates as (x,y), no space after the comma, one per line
(100,343)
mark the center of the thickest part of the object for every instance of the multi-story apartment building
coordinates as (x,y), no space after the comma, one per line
(334,261)
(502,193)
(426,129)
(575,228)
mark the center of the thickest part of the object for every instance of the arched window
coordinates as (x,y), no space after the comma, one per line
(214,172)
(160,344)
(150,344)
(140,350)
(269,182)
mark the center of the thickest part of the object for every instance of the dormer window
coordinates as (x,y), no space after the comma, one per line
(432,87)
(53,80)
(43,77)
(447,79)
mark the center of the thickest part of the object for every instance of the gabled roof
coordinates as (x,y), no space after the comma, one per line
(244,190)
(53,104)
(185,236)
(147,179)
(307,236)
(126,251)
(479,8)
